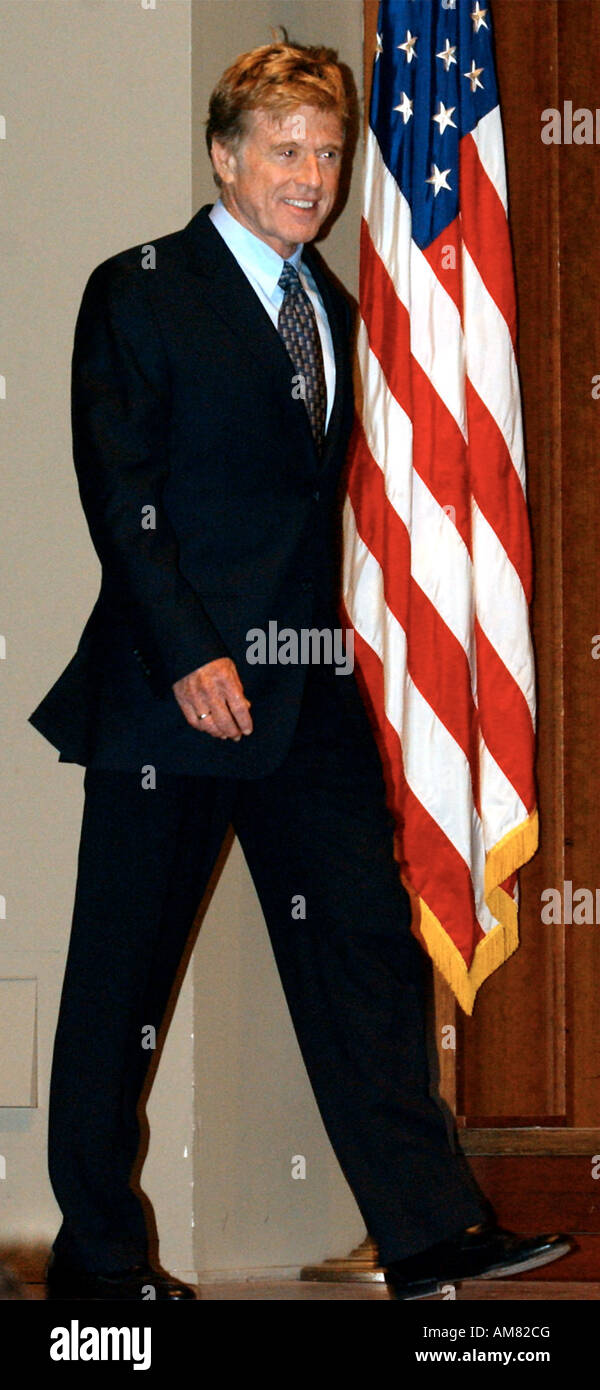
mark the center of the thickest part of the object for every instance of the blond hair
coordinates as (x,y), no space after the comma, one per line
(277,78)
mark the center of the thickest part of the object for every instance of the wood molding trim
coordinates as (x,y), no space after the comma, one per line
(551,1142)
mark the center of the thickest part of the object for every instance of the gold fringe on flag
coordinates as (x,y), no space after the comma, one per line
(511,852)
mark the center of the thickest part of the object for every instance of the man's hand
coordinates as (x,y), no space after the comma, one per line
(216,691)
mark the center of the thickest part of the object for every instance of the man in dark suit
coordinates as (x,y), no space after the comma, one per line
(211,410)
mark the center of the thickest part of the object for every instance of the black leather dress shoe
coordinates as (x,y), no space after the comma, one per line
(138,1283)
(481,1252)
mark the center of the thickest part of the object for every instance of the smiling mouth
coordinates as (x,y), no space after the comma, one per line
(302,203)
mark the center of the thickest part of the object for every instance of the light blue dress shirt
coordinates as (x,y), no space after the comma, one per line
(262,266)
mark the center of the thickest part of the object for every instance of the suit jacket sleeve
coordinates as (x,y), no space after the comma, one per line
(120,418)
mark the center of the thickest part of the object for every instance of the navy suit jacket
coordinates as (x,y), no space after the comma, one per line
(183,402)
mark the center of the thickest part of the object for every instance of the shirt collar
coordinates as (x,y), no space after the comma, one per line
(253,255)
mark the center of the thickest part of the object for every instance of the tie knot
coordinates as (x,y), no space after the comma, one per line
(289,278)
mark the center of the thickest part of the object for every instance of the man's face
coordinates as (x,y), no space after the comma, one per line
(282,181)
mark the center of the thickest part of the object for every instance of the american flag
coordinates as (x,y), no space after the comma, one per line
(437,558)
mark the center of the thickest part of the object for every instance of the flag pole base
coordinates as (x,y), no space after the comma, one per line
(360,1266)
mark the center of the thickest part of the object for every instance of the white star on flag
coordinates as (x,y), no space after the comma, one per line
(473,76)
(444,117)
(447,55)
(378,46)
(438,179)
(405,108)
(478,17)
(409,46)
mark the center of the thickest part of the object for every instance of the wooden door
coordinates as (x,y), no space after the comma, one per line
(524,1081)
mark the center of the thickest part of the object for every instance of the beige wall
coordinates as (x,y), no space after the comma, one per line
(104,101)
(96,97)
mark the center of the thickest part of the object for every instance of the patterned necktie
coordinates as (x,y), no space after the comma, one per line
(297,326)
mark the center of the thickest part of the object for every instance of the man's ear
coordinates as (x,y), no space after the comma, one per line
(224,160)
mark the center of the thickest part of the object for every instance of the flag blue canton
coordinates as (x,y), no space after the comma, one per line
(425,48)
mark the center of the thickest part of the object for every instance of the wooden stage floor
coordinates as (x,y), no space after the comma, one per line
(292,1290)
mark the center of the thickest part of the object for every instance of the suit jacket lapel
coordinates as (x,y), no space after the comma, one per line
(340,350)
(230,294)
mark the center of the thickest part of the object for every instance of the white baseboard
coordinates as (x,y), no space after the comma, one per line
(269,1273)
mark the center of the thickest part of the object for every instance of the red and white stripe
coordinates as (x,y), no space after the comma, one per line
(437,563)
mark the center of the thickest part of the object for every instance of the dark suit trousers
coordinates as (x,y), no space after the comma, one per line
(351,970)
